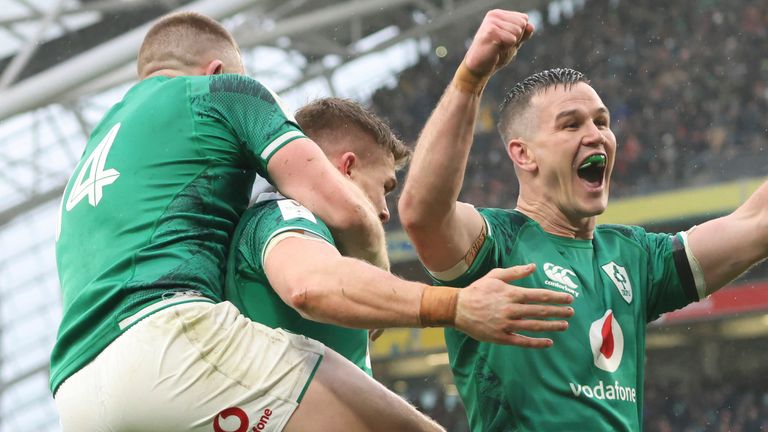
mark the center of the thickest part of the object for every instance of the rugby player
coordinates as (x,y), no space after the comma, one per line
(557,133)
(145,342)
(286,272)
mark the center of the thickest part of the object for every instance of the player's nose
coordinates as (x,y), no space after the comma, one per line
(384,215)
(593,135)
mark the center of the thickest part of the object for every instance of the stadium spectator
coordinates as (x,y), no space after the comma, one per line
(558,135)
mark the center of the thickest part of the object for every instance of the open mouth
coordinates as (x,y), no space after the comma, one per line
(592,169)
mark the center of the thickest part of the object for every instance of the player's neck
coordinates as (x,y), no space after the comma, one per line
(170,73)
(553,221)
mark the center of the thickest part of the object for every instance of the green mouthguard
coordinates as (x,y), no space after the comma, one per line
(596,159)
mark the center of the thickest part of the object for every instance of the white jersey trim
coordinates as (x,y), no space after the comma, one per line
(290,232)
(461,267)
(696,270)
(274,145)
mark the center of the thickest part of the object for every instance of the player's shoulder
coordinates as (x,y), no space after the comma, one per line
(627,231)
(276,209)
(507,221)
(237,84)
(630,234)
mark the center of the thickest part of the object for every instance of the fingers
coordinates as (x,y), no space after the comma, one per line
(542,311)
(374,334)
(511,273)
(524,341)
(512,27)
(497,40)
(538,295)
(529,29)
(536,326)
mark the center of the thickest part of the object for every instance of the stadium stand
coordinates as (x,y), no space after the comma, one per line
(688,96)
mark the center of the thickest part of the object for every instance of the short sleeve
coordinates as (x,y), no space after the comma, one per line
(486,259)
(270,219)
(671,281)
(255,115)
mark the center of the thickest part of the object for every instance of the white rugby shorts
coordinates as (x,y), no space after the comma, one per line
(193,366)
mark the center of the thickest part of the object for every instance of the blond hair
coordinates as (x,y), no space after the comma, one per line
(183,41)
(336,115)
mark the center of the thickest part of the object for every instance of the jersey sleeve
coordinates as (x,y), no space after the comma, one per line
(486,258)
(255,116)
(671,280)
(269,220)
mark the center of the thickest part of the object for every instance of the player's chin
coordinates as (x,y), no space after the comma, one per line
(593,206)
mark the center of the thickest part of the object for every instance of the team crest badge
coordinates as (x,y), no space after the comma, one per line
(618,275)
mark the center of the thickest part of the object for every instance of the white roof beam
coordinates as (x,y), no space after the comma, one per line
(51,84)
(26,52)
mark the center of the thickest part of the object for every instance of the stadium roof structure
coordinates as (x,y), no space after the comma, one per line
(55,54)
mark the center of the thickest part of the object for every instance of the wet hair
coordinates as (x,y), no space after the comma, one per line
(181,39)
(518,99)
(328,116)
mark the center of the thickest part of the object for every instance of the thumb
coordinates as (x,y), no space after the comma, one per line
(511,273)
(527,33)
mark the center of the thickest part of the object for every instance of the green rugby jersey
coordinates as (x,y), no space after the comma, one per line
(592,378)
(247,286)
(151,206)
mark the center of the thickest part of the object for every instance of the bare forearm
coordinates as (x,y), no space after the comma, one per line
(728,246)
(349,293)
(437,170)
(367,243)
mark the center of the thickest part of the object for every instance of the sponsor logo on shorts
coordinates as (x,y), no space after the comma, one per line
(560,277)
(234,419)
(226,417)
(263,420)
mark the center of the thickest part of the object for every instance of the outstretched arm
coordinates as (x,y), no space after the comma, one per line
(726,247)
(301,171)
(442,229)
(314,279)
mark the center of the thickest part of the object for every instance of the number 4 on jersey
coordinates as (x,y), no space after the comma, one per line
(98,177)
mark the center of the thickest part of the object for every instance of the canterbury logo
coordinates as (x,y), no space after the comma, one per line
(560,275)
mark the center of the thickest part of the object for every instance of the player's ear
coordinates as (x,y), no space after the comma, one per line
(521,154)
(214,67)
(347,163)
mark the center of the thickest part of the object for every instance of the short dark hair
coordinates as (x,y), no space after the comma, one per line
(327,115)
(519,97)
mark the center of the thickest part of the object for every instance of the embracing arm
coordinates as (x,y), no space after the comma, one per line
(442,229)
(301,171)
(726,247)
(315,280)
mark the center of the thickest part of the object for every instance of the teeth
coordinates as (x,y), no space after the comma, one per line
(597,159)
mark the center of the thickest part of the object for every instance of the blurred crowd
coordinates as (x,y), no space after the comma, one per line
(686,83)
(715,407)
(712,407)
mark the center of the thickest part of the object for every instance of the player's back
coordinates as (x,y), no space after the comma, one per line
(148,211)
